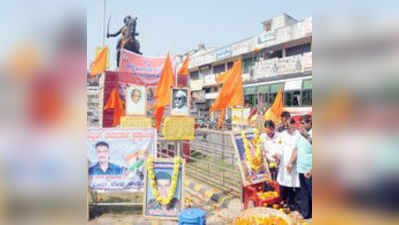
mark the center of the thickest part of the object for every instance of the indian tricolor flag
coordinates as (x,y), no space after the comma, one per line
(135,160)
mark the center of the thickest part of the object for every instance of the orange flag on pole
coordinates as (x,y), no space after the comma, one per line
(182,74)
(115,102)
(222,77)
(100,63)
(274,112)
(162,93)
(184,68)
(231,93)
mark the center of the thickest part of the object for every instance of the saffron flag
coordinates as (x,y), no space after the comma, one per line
(184,69)
(162,93)
(222,77)
(274,112)
(231,93)
(115,102)
(182,74)
(100,63)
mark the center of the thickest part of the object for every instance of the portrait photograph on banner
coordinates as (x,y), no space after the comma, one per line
(252,164)
(136,100)
(116,158)
(180,102)
(163,188)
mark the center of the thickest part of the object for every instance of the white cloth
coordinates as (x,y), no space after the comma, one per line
(181,111)
(271,146)
(284,178)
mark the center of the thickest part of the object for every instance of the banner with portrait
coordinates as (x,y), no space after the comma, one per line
(116,158)
(252,172)
(161,181)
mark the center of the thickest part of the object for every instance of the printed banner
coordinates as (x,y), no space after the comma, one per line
(240,116)
(178,128)
(116,158)
(135,122)
(249,175)
(147,69)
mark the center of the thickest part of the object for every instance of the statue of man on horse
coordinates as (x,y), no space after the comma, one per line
(128,40)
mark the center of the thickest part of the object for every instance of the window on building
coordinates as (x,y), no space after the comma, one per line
(250,100)
(247,64)
(268,26)
(307,93)
(264,98)
(219,68)
(274,88)
(275,54)
(263,94)
(298,50)
(271,98)
(194,75)
(229,65)
(292,98)
(307,97)
(247,100)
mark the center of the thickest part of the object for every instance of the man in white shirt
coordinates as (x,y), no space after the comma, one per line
(272,147)
(288,177)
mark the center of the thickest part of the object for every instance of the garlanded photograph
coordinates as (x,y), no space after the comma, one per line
(163,193)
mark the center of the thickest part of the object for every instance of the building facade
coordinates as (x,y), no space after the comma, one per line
(279,56)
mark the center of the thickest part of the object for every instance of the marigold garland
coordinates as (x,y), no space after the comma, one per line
(172,190)
(256,162)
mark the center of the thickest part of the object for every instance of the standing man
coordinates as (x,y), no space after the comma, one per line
(303,157)
(285,118)
(287,176)
(272,147)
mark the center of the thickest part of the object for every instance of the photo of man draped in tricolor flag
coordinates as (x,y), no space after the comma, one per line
(135,165)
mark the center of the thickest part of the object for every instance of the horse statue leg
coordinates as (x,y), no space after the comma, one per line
(118,52)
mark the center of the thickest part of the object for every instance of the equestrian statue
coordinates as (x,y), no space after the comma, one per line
(128,40)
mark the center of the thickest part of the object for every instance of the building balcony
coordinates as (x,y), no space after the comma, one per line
(280,66)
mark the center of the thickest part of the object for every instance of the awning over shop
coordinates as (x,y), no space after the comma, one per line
(263,89)
(275,87)
(307,84)
(293,85)
(250,91)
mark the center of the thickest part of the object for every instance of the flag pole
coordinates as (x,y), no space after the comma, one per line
(104,24)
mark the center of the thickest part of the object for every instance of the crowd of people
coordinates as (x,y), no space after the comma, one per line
(287,149)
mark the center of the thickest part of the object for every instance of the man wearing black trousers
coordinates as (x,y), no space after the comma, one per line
(302,155)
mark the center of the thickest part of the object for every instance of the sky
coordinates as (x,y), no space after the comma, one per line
(179,26)
(171,25)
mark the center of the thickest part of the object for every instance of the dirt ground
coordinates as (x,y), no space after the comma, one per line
(132,215)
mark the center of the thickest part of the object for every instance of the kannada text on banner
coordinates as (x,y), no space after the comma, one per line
(147,69)
(178,128)
(116,158)
(135,122)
